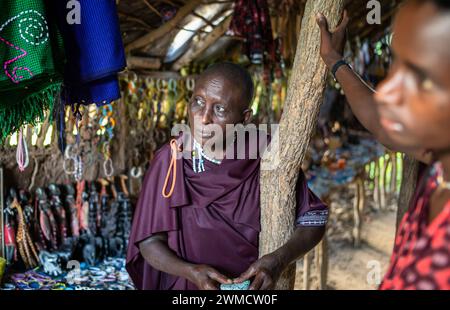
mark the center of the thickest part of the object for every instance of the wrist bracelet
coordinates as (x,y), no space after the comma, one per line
(336,66)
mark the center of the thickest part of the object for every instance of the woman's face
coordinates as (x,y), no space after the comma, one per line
(414,100)
(215,103)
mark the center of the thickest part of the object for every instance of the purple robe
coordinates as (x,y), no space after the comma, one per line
(212,218)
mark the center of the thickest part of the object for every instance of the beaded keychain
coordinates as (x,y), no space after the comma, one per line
(172,94)
(161,112)
(151,98)
(164,104)
(149,112)
(181,103)
(157,99)
(131,79)
(107,122)
(77,163)
(188,86)
(22,157)
(108,166)
(107,125)
(92,134)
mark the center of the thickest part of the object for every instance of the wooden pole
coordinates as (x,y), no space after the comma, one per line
(199,47)
(305,95)
(409,181)
(134,62)
(307,271)
(394,178)
(164,29)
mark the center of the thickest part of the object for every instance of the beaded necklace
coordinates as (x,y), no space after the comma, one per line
(198,156)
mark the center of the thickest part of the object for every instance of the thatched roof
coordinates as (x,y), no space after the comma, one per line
(169,34)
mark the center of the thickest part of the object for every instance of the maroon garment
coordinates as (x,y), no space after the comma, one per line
(212,218)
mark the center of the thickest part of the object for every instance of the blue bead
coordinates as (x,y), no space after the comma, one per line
(235,286)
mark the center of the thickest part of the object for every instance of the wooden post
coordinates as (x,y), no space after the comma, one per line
(164,29)
(305,95)
(376,184)
(358,209)
(322,271)
(382,181)
(409,181)
(199,47)
(134,62)
(307,271)
(393,185)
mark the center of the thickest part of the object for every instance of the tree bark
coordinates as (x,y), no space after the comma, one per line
(408,186)
(305,95)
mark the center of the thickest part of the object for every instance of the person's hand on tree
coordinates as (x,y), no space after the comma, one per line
(207,278)
(332,43)
(264,272)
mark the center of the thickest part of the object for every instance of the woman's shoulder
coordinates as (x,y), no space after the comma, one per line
(163,151)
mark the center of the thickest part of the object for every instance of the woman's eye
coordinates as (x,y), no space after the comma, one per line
(198,101)
(426,84)
(220,109)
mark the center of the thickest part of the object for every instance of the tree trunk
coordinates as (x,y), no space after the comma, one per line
(305,95)
(409,182)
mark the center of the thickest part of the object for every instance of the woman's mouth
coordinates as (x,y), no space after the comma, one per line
(204,134)
(391,125)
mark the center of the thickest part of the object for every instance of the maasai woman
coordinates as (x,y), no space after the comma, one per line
(206,233)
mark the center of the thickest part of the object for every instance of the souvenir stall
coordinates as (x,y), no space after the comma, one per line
(83,110)
(61,230)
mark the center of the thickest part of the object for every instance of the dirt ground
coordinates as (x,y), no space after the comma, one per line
(353,268)
(350,268)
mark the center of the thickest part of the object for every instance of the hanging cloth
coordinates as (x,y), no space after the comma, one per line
(94,52)
(30,60)
(251,20)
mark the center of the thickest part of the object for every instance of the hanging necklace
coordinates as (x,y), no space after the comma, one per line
(440,177)
(198,156)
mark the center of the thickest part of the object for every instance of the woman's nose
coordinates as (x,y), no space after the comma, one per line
(206,116)
(390,91)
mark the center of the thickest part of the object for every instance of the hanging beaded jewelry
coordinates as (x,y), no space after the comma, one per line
(197,158)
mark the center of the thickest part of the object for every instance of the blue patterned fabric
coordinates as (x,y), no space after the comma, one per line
(94,52)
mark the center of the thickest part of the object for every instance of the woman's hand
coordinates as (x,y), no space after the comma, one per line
(265,273)
(206,277)
(332,43)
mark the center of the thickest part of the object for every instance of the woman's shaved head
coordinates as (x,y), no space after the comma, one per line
(236,75)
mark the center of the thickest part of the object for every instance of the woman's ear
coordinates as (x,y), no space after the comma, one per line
(247,116)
